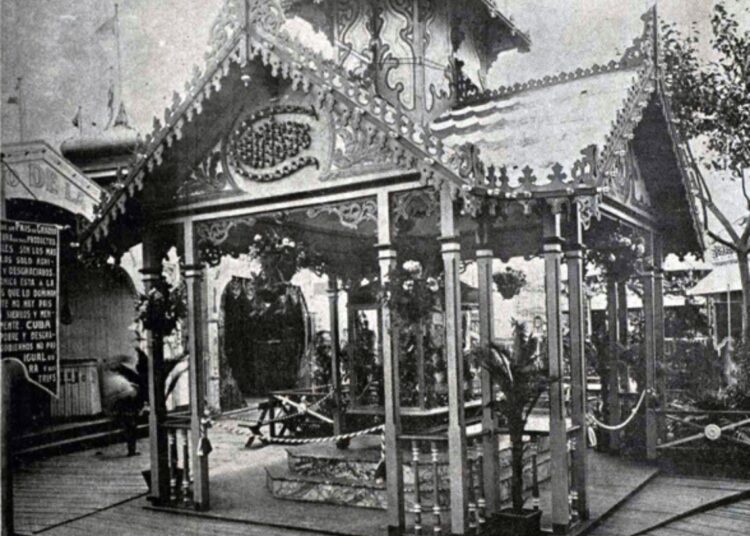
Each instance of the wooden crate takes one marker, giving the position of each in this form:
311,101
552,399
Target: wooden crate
79,390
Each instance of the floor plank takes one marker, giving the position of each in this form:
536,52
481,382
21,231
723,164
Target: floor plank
666,497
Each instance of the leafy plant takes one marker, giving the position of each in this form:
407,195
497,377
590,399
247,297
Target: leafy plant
280,258
619,254
409,293
521,376
509,282
710,102
161,308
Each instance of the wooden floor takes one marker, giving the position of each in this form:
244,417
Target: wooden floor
731,520
51,491
667,497
90,493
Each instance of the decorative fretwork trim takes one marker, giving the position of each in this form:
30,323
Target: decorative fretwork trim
351,214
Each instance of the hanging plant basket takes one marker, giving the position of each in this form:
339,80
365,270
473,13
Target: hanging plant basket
509,282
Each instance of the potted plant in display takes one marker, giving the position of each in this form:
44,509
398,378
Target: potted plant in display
518,371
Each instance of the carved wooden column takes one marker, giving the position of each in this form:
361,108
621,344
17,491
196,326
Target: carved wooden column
457,457
647,280
392,403
613,381
159,492
490,446
552,250
578,403
196,327
333,308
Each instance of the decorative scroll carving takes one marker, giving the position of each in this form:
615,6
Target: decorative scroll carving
227,22
264,148
210,176
589,209
468,163
265,14
359,149
412,206
215,232
625,182
350,213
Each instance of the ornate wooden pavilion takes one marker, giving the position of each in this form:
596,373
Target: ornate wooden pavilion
394,146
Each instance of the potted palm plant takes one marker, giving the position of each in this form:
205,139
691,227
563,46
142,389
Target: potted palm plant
520,375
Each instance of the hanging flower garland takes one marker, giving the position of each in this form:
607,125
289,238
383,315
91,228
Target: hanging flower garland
161,308
410,294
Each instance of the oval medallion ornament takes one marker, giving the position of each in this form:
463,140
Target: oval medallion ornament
712,432
272,143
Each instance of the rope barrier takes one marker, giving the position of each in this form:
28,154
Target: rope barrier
329,439
623,424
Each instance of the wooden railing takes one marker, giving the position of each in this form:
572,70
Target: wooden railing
477,493
180,476
430,499
696,425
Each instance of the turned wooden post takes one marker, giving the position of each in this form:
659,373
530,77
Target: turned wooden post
490,447
392,403
457,458
196,323
159,454
333,308
613,381
579,400
552,250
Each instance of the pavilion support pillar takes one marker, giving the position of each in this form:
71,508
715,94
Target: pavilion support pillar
490,446
391,392
649,341
196,327
578,403
333,308
351,339
658,261
457,457
159,492
613,380
560,486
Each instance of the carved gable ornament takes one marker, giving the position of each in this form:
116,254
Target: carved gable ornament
625,182
270,142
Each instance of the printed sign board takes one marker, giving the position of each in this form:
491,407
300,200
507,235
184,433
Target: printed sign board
30,300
